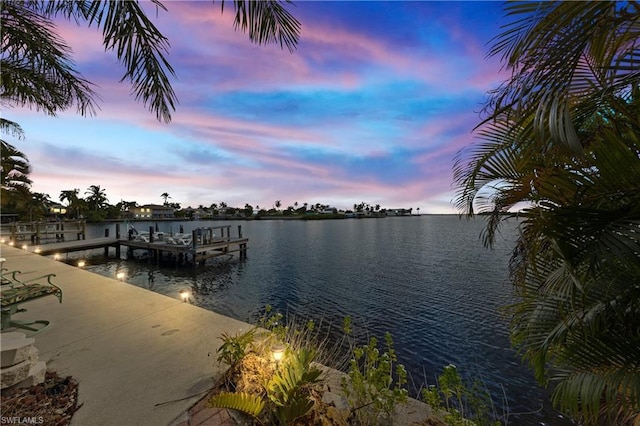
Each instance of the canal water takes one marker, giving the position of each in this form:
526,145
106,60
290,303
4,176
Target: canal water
425,279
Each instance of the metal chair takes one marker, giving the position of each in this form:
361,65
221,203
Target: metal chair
15,292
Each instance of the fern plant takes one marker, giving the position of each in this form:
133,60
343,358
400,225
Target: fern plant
288,388
245,402
287,391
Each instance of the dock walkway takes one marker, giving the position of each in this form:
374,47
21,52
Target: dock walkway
76,245
205,245
38,231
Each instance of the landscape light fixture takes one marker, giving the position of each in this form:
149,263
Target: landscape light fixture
81,264
186,295
37,250
11,243
3,259
56,256
278,352
120,276
2,240
24,247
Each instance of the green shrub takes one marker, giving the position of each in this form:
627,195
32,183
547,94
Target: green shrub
234,348
459,403
374,385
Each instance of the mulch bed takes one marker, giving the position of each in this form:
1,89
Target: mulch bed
52,402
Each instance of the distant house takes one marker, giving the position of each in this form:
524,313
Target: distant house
153,211
328,210
398,212
55,209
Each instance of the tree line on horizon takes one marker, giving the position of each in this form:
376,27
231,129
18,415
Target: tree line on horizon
559,139
95,206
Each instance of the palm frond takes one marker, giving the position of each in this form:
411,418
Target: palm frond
36,69
141,48
267,21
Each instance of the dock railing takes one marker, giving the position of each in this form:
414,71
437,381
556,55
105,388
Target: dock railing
37,231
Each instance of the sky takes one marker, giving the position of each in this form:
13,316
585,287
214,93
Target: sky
371,107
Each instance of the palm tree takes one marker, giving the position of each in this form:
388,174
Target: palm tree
125,207
36,68
97,198
165,196
15,168
71,197
559,145
15,183
38,205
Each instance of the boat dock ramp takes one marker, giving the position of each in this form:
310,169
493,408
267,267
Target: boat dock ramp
191,248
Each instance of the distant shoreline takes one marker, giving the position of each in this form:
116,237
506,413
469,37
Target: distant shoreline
292,217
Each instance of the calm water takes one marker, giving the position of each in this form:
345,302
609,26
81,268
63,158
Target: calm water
426,279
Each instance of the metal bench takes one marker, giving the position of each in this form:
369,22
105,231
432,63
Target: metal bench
15,291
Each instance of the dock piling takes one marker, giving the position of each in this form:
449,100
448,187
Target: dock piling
106,248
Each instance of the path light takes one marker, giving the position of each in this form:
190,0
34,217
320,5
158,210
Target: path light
186,295
120,276
81,264
2,259
278,352
2,240
56,256
37,250
24,247
11,243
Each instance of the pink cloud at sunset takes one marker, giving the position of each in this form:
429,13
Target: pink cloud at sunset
372,107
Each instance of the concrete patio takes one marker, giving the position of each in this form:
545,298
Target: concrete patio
140,358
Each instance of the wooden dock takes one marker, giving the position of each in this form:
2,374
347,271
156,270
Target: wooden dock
78,245
205,243
38,232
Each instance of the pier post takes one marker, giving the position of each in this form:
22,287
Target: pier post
117,231
194,245
106,248
38,233
239,231
151,234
